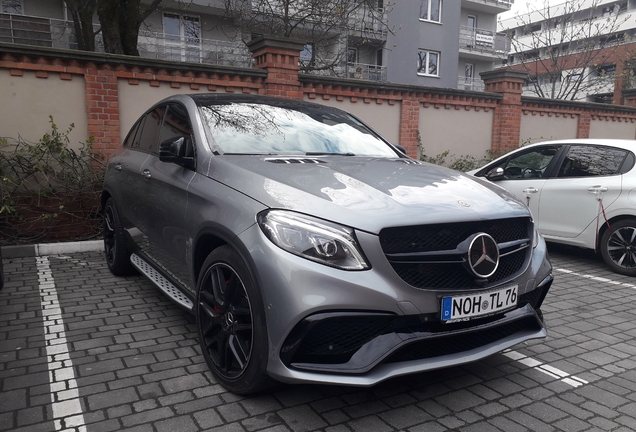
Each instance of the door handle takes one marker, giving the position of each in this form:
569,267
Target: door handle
146,174
597,189
118,166
530,190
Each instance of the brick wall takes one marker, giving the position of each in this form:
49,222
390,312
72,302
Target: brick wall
276,73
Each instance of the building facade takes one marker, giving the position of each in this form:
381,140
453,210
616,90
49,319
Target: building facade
578,50
437,43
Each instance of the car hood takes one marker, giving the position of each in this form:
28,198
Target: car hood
365,193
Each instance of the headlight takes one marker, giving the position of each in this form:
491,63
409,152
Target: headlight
313,239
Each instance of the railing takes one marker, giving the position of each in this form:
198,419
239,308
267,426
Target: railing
483,41
366,72
48,32
503,3
592,85
369,23
361,71
466,83
155,45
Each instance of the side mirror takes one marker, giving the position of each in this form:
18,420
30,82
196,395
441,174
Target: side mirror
400,148
495,174
176,150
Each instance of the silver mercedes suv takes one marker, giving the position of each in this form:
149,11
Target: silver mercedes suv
312,250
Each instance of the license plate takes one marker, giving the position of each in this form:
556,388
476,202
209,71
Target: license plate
465,307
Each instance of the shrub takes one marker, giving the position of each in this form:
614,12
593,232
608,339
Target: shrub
49,191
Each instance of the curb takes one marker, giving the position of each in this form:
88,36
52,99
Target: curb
42,249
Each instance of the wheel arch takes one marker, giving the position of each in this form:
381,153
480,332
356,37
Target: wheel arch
211,238
604,227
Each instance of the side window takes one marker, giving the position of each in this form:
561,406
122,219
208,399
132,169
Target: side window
176,125
591,161
130,139
149,136
530,164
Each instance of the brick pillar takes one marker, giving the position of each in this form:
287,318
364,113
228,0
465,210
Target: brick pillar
506,127
583,125
629,97
102,108
279,57
409,125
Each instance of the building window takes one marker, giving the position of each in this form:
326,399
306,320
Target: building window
575,78
352,55
183,37
307,55
431,10
428,63
12,7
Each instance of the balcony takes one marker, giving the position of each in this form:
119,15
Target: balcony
482,43
368,24
29,30
488,6
156,45
361,71
473,84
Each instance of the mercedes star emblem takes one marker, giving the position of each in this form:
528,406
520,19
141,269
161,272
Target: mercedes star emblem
483,256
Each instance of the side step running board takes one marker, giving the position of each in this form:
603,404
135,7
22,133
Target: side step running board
162,283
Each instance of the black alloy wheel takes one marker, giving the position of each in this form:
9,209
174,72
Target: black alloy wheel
115,249
618,247
231,328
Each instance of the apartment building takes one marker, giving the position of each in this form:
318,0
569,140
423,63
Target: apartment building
575,49
437,43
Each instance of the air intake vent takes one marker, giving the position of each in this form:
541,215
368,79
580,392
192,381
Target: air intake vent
409,161
295,161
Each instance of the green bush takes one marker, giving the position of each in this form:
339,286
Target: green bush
461,163
49,191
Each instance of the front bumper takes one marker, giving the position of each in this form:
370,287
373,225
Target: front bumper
360,328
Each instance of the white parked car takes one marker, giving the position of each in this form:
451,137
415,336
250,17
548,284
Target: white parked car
582,192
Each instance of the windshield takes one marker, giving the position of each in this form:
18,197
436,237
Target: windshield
248,128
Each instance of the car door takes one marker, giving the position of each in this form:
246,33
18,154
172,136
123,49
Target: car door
165,198
134,208
570,200
125,175
526,172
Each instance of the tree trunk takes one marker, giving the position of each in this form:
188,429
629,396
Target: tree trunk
82,12
109,18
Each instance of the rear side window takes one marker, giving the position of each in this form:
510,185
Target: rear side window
591,161
176,124
149,136
130,139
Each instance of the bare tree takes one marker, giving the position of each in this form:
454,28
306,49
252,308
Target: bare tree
324,25
571,49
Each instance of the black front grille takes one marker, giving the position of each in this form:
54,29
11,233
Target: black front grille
446,237
426,238
454,344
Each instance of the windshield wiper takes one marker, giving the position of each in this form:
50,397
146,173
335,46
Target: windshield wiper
328,154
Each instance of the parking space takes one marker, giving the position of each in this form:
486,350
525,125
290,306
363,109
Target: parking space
81,349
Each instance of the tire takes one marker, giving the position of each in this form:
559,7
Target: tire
231,323
115,248
618,247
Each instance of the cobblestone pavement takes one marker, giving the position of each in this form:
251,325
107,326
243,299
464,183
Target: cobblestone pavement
113,353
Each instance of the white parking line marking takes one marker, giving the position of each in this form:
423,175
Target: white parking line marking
65,400
596,278
551,371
